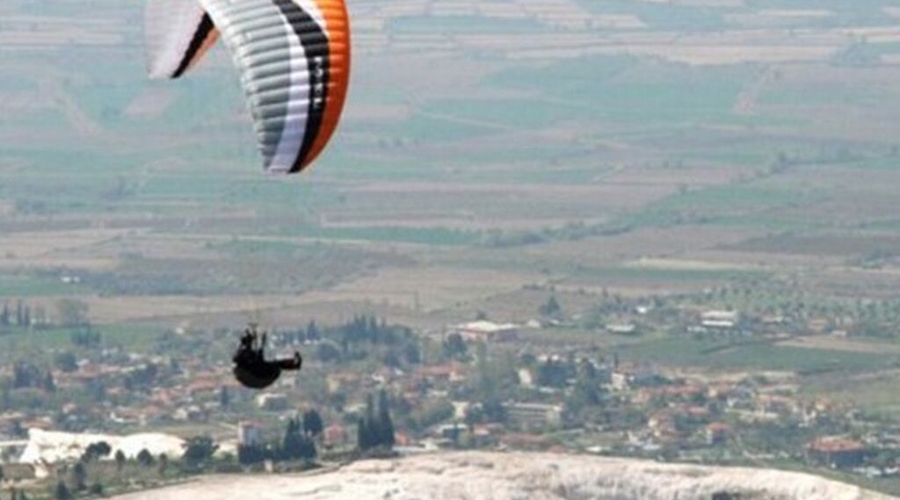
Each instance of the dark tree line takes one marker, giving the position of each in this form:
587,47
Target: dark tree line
454,347
28,375
355,339
376,428
20,316
144,377
312,333
555,373
365,329
551,308
96,451
298,443
362,329
86,337
198,451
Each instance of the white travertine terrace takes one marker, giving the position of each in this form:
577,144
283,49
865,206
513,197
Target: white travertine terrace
516,476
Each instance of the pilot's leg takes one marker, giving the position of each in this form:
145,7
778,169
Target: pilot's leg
291,364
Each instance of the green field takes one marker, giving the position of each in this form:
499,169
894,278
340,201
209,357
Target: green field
22,285
493,153
748,355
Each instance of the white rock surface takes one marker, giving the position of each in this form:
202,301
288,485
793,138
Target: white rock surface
515,476
52,447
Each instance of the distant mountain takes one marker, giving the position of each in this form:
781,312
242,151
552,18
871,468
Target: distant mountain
514,476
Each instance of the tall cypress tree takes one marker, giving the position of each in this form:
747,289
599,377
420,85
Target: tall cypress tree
385,424
62,492
292,443
371,420
79,477
363,440
374,334
224,397
312,423
312,332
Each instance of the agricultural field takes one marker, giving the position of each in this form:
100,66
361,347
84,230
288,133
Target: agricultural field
488,148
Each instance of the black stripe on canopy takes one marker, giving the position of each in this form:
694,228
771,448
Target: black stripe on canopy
206,26
315,44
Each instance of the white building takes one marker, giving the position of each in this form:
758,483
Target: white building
534,415
526,379
272,402
487,330
622,328
722,320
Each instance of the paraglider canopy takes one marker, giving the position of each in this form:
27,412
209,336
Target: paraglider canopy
293,57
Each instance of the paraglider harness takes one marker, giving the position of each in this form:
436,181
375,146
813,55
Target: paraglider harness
250,366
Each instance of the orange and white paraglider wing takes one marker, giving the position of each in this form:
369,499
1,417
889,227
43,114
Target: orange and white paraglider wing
178,33
294,60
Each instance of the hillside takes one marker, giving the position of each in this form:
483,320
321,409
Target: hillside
508,476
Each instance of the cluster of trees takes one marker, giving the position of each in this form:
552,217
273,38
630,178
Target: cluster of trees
796,307
65,361
395,345
312,333
86,338
496,381
70,313
581,376
497,238
74,481
365,329
22,315
144,377
489,411
298,443
614,305
198,451
375,429
454,347
551,309
78,473
96,451
555,373
363,337
28,375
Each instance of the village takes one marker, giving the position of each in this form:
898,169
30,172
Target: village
473,385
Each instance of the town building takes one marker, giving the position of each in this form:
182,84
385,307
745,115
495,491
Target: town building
717,434
534,415
488,331
837,452
720,320
272,402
